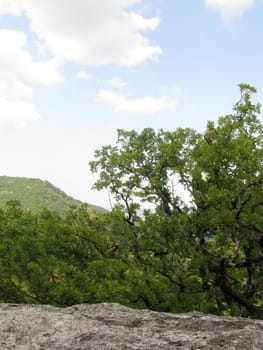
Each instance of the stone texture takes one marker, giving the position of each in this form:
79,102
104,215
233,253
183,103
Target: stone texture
112,326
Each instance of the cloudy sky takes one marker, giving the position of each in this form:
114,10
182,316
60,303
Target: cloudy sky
72,72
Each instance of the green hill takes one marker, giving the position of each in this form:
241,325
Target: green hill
36,194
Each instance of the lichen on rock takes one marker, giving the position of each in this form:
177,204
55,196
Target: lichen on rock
112,326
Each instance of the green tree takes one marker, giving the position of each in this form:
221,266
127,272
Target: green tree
82,257
206,251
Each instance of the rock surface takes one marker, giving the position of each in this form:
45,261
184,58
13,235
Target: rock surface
112,326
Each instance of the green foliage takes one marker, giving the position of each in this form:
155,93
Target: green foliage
207,251
201,253
45,258
35,195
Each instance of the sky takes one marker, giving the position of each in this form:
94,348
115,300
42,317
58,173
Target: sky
73,72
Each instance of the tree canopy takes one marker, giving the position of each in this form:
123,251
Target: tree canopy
207,249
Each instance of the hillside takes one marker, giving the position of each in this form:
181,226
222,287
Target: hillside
36,194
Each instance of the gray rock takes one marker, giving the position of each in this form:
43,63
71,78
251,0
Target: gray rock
112,326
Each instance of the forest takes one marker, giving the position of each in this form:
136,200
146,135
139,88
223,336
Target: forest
185,232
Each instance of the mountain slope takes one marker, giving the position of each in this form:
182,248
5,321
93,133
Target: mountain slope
36,194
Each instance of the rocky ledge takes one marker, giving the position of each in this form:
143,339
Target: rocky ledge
112,326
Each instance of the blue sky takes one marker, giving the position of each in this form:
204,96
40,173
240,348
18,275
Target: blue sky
72,72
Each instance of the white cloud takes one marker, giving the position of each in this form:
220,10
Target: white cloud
16,62
12,7
83,75
90,32
18,72
230,10
17,113
85,32
16,106
16,90
116,82
145,105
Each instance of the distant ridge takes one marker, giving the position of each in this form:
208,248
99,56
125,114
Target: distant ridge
37,194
